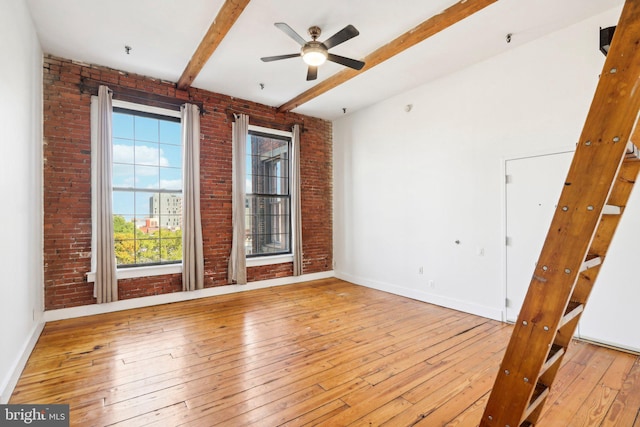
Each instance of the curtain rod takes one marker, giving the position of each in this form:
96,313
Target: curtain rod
264,123
123,93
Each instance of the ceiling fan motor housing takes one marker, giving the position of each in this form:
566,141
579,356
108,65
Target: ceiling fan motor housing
314,32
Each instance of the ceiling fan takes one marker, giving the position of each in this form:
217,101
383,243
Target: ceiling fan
315,53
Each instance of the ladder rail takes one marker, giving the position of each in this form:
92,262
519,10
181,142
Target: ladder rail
587,278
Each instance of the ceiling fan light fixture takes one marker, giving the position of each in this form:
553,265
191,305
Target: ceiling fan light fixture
314,55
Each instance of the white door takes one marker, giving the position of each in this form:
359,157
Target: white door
612,314
533,188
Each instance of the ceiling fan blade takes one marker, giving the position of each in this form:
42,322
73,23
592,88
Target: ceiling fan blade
341,36
312,73
279,57
291,33
347,62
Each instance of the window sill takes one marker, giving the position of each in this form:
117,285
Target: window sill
131,273
159,270
269,260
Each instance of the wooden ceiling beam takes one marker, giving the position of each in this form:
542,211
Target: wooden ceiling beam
227,16
426,29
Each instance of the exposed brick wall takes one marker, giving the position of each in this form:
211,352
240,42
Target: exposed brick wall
269,271
67,184
147,286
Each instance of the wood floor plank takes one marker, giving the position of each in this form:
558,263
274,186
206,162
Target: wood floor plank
479,385
563,410
384,412
317,415
448,385
625,410
279,417
471,416
593,409
458,366
158,416
320,353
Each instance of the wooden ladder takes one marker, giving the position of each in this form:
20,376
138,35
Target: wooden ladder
604,169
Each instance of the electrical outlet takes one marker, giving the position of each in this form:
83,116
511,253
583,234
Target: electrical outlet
421,270
432,283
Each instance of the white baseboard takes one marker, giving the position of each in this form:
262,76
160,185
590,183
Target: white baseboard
87,310
455,304
9,383
609,344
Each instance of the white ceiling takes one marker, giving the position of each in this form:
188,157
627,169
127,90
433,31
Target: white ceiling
164,34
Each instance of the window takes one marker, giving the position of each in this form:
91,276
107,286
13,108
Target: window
147,187
268,199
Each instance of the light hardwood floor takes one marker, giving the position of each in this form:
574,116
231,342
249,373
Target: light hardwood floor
319,353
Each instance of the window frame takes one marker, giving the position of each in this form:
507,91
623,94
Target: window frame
131,271
135,190
276,258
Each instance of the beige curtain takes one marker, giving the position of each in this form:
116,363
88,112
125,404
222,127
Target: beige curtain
106,283
296,203
237,272
192,252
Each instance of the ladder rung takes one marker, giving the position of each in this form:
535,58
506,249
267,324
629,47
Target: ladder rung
555,354
611,210
632,151
573,310
539,395
590,263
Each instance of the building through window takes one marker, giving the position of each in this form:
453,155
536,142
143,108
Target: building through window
268,199
147,188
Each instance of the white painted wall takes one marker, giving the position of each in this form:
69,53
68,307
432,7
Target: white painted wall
21,288
408,185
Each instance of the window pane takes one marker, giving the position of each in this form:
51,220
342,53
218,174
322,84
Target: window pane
123,175
169,223
145,204
171,248
123,204
147,177
249,221
171,178
146,129
122,125
147,153
148,250
170,132
283,176
171,155
124,249
123,151
267,223
268,165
